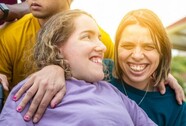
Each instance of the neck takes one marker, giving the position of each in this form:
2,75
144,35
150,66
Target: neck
42,21
146,91
141,86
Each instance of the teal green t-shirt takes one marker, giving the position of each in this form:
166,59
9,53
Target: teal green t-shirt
162,109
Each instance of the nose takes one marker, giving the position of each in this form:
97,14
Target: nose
137,53
100,47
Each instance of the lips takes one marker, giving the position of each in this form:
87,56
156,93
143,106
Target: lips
35,6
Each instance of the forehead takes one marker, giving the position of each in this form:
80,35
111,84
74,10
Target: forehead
135,28
136,32
85,22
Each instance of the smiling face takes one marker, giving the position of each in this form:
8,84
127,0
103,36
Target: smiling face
84,50
137,55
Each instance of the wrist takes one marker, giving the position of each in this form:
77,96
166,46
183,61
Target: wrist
5,10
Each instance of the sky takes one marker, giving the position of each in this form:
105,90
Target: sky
108,13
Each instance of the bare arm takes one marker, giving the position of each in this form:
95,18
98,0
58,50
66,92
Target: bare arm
46,86
16,11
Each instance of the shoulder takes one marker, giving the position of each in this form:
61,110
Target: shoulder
117,83
15,26
169,91
19,32
9,115
9,102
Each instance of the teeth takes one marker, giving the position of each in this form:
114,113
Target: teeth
99,61
137,67
96,60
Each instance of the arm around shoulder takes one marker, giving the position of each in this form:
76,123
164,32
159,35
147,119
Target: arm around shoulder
15,11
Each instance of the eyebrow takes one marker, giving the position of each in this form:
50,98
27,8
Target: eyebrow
91,32
144,42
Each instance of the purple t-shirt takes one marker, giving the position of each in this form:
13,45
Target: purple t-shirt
85,104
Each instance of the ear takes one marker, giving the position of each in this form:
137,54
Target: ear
60,55
60,49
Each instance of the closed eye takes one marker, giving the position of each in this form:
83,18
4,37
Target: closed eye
127,46
149,47
86,37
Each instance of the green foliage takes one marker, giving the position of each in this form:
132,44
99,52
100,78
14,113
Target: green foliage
178,70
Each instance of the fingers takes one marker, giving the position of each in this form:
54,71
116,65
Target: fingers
180,96
51,91
161,87
58,97
28,96
4,82
34,105
5,85
24,88
45,87
53,95
38,93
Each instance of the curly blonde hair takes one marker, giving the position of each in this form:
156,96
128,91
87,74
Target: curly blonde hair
55,32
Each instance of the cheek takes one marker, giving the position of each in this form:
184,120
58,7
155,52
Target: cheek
157,61
155,58
29,2
122,54
67,52
72,56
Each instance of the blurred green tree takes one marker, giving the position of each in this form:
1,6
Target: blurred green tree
178,70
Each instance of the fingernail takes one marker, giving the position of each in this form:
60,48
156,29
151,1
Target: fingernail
180,103
14,98
26,118
54,105
35,120
19,108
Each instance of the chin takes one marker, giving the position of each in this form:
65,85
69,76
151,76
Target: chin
98,77
38,15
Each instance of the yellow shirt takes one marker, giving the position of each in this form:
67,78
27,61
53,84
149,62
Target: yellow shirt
16,39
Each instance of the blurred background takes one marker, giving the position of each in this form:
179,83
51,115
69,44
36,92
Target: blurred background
108,14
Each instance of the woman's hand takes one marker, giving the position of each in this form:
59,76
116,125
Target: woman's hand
173,83
4,82
46,86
